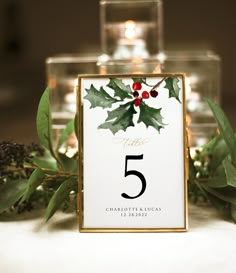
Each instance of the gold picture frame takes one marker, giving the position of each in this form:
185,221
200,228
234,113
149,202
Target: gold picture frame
101,206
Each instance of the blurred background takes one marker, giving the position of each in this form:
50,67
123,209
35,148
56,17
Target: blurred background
31,31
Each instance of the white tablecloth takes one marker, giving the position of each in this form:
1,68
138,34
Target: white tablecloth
30,246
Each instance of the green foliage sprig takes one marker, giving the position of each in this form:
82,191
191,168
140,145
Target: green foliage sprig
30,176
49,178
212,170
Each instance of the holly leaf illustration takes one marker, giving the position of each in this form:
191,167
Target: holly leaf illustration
172,86
99,98
120,89
120,118
142,80
151,116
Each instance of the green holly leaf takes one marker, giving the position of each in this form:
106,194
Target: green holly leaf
151,116
142,80
172,86
120,118
99,98
120,89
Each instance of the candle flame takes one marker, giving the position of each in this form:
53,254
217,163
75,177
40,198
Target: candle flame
130,29
70,98
188,86
52,82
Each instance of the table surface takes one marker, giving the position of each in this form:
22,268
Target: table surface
29,245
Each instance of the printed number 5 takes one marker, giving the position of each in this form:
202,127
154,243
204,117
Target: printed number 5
133,172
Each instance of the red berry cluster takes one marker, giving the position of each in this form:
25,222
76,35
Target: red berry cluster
137,86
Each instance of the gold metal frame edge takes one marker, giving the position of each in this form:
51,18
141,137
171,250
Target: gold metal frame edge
80,182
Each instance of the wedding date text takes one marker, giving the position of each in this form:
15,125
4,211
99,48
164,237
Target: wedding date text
134,211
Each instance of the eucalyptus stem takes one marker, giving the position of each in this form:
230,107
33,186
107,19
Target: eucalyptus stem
202,179
14,168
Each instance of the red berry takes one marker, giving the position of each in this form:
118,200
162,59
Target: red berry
137,86
154,93
145,95
137,101
135,94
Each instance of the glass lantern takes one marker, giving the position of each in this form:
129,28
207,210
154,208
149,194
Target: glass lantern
131,29
202,69
62,78
135,66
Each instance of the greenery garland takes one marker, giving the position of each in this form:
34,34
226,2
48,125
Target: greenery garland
31,175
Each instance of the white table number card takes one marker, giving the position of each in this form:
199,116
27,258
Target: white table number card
133,153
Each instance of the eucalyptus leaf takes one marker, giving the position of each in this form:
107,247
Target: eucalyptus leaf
233,212
76,126
34,181
209,146
217,150
11,192
192,169
230,172
229,196
225,128
44,121
202,190
61,195
218,181
44,124
69,129
46,162
216,202
70,165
